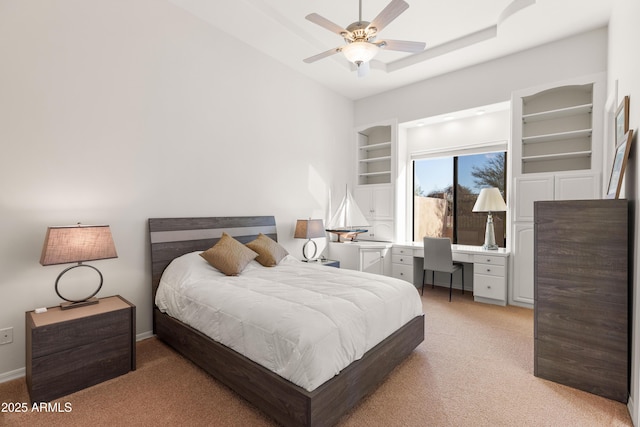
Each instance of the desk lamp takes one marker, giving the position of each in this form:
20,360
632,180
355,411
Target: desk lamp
309,229
77,243
490,200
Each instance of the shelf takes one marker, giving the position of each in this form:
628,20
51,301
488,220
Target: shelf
559,113
364,174
559,156
377,146
375,159
557,136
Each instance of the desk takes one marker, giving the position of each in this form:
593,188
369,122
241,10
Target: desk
487,268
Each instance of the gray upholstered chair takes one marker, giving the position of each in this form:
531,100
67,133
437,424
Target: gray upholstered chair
438,257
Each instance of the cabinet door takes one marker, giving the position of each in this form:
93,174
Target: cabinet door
380,231
522,283
382,202
372,261
375,202
577,187
529,190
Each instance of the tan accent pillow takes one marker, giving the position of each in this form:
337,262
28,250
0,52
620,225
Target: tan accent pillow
270,253
228,255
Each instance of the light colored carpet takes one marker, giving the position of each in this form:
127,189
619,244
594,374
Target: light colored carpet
475,368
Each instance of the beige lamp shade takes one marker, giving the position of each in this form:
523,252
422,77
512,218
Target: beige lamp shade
309,229
77,243
490,200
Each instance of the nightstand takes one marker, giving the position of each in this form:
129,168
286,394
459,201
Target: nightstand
329,262
68,350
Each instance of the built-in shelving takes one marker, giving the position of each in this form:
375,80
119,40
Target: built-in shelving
557,129
374,155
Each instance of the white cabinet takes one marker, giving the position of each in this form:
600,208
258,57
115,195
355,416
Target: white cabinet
490,279
375,179
522,283
556,135
402,264
362,256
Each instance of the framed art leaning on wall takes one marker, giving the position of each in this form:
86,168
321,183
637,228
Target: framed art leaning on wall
619,165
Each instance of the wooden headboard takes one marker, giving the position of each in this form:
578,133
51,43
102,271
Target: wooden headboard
173,237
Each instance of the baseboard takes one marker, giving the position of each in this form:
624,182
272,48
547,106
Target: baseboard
12,375
21,372
632,411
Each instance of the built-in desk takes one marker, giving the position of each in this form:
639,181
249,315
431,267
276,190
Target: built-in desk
485,271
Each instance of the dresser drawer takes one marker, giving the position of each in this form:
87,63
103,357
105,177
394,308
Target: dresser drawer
402,271
489,259
491,287
489,270
402,259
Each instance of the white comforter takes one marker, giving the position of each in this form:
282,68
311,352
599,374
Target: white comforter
303,321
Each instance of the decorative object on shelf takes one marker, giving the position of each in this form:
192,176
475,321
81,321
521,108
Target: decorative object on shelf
490,200
77,243
360,37
348,221
622,120
619,165
309,229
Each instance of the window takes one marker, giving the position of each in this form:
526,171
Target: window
445,190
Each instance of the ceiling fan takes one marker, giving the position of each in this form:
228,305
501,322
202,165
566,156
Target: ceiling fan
360,37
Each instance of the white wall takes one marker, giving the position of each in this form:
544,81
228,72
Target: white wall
489,83
113,111
624,67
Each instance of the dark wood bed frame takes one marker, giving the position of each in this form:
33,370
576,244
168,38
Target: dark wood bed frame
285,402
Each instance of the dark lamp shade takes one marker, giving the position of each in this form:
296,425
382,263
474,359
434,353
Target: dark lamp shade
309,229
77,243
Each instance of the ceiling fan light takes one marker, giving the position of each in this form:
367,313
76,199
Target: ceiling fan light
360,51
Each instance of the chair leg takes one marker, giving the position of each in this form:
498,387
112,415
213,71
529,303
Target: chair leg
450,285
424,273
462,270
433,279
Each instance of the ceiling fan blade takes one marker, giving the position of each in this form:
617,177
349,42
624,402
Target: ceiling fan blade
401,45
388,14
324,54
325,23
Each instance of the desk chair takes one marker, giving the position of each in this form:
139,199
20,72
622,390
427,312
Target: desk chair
438,257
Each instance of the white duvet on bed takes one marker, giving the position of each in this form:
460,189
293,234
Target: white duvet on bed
303,321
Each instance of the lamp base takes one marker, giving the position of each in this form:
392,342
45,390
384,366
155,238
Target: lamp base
489,235
68,305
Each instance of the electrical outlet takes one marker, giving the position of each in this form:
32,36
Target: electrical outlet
6,336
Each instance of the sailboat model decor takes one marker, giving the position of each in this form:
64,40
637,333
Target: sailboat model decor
348,221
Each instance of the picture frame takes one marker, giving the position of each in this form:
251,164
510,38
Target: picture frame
619,165
622,120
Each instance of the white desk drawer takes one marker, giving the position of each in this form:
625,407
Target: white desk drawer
402,259
402,271
489,259
401,251
489,270
462,257
489,287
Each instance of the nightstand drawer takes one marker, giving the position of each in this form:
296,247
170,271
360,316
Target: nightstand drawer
61,336
71,370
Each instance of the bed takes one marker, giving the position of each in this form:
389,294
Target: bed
281,399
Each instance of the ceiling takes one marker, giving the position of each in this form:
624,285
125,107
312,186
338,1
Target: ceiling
485,30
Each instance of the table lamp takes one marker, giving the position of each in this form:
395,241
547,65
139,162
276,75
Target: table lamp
77,243
309,229
490,200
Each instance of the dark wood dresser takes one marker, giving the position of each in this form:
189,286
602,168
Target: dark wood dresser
581,319
68,350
